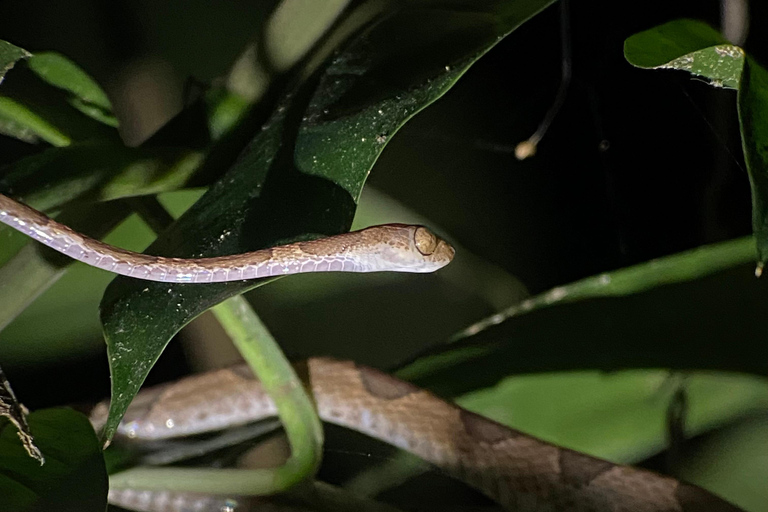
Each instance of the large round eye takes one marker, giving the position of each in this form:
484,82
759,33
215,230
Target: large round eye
425,241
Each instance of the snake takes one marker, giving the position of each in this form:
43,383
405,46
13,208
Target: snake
520,472
387,247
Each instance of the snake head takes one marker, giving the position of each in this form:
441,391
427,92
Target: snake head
409,248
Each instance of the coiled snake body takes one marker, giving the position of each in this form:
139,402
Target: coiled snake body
519,471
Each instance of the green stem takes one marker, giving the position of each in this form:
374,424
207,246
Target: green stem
295,409
294,406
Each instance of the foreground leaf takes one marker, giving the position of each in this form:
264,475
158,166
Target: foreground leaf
303,173
695,47
73,477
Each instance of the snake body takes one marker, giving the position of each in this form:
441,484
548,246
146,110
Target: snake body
389,247
518,471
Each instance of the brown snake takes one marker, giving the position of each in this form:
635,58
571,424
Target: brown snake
390,247
520,472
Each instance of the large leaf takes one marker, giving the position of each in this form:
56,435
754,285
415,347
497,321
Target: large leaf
303,173
695,47
73,478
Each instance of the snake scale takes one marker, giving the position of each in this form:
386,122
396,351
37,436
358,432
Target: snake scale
520,472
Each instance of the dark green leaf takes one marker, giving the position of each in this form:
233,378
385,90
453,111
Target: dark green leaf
302,175
658,311
697,48
753,106
663,45
73,477
9,55
677,268
99,171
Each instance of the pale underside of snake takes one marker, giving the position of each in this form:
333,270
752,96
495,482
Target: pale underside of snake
389,247
518,471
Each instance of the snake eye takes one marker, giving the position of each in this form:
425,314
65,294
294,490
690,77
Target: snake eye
425,241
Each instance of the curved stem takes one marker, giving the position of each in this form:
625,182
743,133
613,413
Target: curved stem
295,409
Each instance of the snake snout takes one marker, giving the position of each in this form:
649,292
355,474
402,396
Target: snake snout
444,253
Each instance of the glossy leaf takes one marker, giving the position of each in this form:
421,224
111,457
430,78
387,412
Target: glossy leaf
693,46
687,45
302,175
73,477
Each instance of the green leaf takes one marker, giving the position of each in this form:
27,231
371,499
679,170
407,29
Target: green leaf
677,268
617,416
753,105
73,477
100,171
659,313
40,105
695,47
9,55
302,175
731,463
16,120
664,46
86,95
